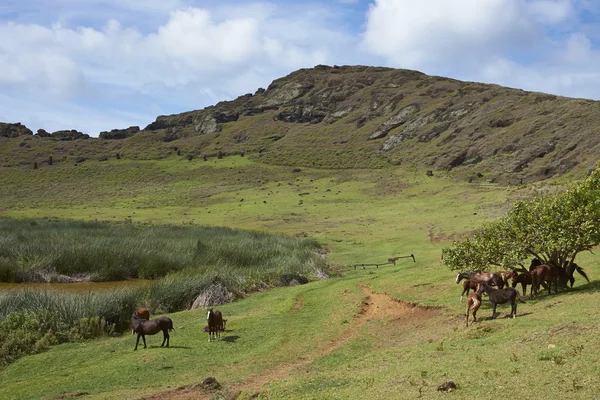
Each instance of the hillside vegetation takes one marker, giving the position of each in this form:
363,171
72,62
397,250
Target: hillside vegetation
355,117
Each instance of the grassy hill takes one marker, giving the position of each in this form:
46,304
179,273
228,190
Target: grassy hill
356,117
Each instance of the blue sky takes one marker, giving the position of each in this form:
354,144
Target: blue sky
96,65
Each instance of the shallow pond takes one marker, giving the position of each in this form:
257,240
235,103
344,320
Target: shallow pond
74,287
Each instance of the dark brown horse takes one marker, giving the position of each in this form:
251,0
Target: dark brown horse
215,324
501,296
151,327
490,278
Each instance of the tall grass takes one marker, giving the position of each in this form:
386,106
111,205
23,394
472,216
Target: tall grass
33,250
189,260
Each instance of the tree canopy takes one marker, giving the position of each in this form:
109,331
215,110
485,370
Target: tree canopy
552,228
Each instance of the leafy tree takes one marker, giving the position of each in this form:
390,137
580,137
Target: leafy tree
554,229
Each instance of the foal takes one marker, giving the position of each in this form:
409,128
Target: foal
501,296
473,304
143,327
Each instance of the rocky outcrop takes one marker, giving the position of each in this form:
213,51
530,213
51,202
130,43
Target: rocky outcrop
69,135
14,130
120,133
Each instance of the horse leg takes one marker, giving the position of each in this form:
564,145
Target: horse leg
144,339
165,338
137,341
493,310
513,307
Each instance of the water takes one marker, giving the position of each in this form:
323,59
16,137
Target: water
78,287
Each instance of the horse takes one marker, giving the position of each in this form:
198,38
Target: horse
570,269
506,275
222,330
491,278
151,327
545,273
215,324
468,285
473,304
143,313
501,296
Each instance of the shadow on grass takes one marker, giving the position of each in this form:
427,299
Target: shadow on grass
170,347
230,339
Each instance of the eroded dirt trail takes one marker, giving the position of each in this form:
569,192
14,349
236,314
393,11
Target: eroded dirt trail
376,306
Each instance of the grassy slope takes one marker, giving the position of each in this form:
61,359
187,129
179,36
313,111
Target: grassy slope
367,216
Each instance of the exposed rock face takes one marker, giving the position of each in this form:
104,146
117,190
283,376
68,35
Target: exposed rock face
120,133
69,135
400,118
14,130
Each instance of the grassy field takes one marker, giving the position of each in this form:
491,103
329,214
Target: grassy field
336,338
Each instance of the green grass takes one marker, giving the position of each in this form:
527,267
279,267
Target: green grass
307,339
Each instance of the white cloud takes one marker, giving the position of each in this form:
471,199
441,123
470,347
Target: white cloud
413,33
195,56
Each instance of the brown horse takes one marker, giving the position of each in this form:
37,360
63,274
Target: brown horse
215,324
545,273
143,313
490,278
468,285
151,327
473,304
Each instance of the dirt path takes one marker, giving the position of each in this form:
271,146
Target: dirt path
376,306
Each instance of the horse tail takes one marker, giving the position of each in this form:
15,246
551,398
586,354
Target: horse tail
582,272
171,325
520,298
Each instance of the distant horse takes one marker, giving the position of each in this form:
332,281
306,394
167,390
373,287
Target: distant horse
151,327
215,324
468,285
549,273
501,296
473,304
506,275
143,313
491,278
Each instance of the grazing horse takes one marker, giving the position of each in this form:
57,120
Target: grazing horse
143,313
473,304
491,278
151,327
524,279
468,285
215,324
501,296
506,275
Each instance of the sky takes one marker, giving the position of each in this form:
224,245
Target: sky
96,65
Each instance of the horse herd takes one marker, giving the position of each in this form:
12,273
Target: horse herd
539,274
142,325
